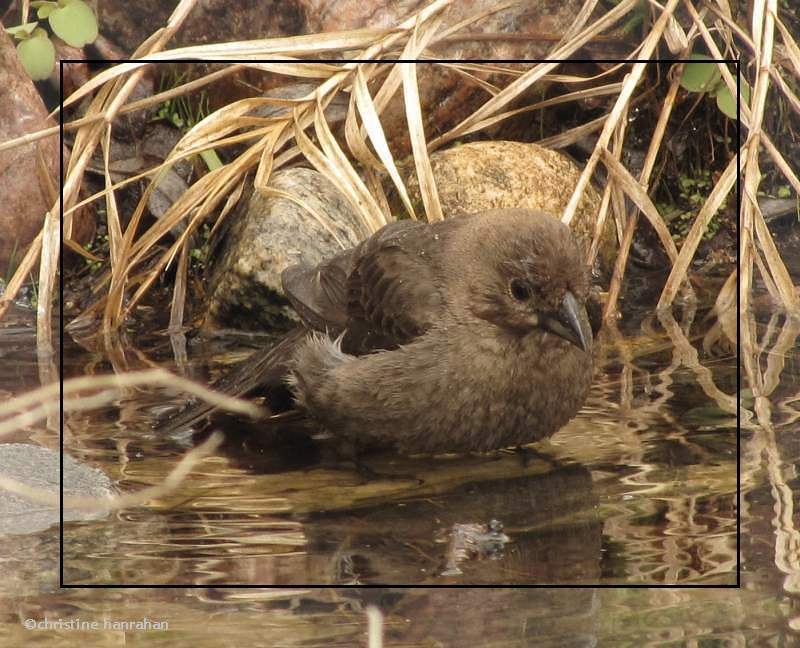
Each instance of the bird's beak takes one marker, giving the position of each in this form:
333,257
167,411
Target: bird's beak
568,322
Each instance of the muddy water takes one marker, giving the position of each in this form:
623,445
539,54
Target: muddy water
639,489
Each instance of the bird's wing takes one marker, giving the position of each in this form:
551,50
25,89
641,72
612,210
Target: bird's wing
394,288
383,293
318,294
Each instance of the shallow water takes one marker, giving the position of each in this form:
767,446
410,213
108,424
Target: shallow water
639,489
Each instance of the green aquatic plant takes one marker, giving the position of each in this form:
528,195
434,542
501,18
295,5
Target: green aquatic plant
693,191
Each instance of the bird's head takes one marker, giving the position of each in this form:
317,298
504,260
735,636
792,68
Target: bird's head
530,276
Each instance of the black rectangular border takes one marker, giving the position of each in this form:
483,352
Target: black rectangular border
737,585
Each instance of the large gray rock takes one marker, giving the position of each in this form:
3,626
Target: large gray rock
38,468
270,233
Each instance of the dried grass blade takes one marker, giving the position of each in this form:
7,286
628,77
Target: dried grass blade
205,198
699,227
426,14
48,266
629,85
599,226
220,123
205,189
484,85
689,357
375,186
416,131
366,205
299,70
791,97
777,268
727,77
515,89
675,36
230,202
630,226
356,137
112,214
264,170
21,274
322,164
372,124
792,49
77,249
101,80
763,36
580,20
306,45
639,196
312,44
726,300
781,163
260,133
725,8
766,277
572,135
201,189
157,98
612,88
29,138
178,305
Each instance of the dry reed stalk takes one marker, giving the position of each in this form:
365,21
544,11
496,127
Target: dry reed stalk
644,178
275,142
630,83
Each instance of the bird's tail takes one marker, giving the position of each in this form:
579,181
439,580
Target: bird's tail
264,374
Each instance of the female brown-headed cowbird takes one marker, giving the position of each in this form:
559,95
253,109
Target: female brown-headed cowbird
467,334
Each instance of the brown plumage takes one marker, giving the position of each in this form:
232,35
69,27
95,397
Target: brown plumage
468,334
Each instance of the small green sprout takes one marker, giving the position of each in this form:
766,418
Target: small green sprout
71,20
704,77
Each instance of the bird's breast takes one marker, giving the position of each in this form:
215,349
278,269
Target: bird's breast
513,391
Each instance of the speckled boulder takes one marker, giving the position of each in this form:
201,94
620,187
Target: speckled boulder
270,233
487,175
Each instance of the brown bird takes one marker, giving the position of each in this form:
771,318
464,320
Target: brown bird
468,334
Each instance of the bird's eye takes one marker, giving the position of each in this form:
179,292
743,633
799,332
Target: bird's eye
520,290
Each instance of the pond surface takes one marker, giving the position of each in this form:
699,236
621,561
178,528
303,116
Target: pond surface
639,489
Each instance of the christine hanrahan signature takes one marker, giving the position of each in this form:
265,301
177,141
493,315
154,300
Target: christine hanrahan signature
143,624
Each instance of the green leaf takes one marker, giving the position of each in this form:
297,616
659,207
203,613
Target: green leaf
45,10
38,56
700,76
23,31
784,191
725,101
74,23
